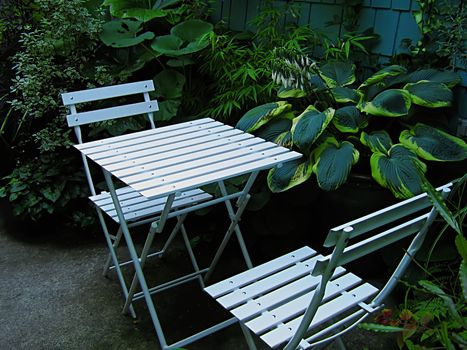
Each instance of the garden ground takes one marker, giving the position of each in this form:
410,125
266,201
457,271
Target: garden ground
53,296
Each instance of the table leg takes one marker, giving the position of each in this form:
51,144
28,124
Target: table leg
134,257
235,218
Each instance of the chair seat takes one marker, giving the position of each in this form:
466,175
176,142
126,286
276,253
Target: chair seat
135,206
270,299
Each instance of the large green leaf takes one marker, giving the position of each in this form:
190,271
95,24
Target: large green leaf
191,30
449,78
377,141
167,110
389,103
390,71
123,33
169,84
345,95
430,94
338,73
289,175
137,9
398,171
333,162
433,144
349,119
288,92
171,45
285,139
272,130
260,115
307,127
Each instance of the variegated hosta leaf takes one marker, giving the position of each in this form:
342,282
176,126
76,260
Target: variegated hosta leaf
389,103
287,92
394,70
285,139
316,83
338,73
449,78
433,144
333,162
307,127
260,115
377,141
344,95
429,94
271,131
289,175
398,171
349,119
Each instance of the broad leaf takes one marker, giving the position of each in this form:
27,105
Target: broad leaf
349,119
433,144
289,175
169,84
449,78
307,127
137,9
338,73
272,130
171,45
191,30
123,33
389,103
345,95
429,94
398,171
316,83
167,110
180,61
390,71
290,92
260,115
285,139
333,162
377,141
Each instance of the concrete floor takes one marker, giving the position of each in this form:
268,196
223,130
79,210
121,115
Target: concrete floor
53,296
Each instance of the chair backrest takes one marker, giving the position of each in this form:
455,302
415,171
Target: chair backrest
75,119
384,227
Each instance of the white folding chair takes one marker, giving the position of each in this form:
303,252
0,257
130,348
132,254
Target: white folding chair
138,210
305,300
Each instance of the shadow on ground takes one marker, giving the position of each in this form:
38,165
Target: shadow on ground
53,296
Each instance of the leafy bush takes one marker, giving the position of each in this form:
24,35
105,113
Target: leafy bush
57,53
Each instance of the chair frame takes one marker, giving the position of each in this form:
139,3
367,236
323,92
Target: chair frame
325,268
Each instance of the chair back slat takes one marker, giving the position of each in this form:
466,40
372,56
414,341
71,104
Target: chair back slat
382,217
99,115
102,93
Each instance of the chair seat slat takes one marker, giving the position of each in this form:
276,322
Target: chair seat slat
325,313
284,294
218,289
289,310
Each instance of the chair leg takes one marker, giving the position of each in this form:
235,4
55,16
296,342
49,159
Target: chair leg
143,257
115,245
115,260
248,337
192,255
340,344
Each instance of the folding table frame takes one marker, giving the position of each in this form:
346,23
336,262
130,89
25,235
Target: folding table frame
164,166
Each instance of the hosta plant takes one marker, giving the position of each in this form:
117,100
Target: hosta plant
335,122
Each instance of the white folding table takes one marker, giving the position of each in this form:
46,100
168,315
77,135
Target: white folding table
163,163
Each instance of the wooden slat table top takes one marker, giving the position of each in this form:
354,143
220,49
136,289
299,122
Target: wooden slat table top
170,159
